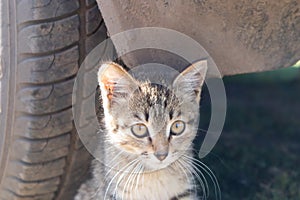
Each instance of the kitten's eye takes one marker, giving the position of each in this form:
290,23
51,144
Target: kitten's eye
139,130
177,127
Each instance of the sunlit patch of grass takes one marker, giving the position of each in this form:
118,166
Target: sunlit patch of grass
257,156
297,65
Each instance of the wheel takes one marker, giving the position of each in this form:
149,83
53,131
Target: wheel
42,44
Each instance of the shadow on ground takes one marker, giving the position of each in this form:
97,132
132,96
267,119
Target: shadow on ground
258,154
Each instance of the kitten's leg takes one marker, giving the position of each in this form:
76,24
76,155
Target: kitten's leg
88,191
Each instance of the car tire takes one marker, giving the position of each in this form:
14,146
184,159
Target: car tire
42,44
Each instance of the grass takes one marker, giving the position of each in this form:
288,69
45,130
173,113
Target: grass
297,64
258,154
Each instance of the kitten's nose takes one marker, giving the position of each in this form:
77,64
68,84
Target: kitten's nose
161,155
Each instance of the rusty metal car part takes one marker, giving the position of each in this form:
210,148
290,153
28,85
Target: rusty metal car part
240,35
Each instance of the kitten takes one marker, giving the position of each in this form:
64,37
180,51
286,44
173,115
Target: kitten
146,150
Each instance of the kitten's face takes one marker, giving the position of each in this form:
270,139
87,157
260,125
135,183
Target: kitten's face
151,122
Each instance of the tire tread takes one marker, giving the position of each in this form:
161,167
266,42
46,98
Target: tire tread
47,160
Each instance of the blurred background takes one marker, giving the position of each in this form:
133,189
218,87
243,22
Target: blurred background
258,154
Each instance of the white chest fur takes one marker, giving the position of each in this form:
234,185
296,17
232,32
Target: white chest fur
157,185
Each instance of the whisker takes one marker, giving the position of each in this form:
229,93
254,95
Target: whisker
202,180
123,176
181,166
191,173
178,163
121,170
209,173
129,179
115,158
141,173
114,168
134,180
96,192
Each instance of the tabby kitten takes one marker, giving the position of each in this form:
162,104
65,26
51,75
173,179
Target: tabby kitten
146,148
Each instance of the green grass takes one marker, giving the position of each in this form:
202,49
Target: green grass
297,65
258,154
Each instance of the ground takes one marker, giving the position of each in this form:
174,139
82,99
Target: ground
257,156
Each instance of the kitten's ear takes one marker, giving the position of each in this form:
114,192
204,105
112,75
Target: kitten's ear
115,83
189,82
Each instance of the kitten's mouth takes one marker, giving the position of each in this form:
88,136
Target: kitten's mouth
155,168
152,163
